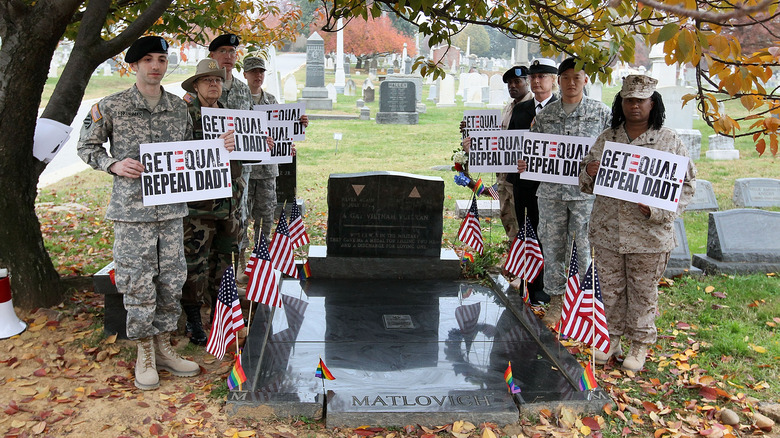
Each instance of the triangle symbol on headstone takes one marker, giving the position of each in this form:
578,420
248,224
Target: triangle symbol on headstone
358,188
414,193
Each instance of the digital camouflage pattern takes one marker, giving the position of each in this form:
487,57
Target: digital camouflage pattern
632,250
564,211
122,118
261,203
266,170
148,247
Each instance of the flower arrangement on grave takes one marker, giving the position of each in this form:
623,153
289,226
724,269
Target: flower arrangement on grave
460,164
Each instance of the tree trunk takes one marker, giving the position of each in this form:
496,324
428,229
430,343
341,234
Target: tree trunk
31,35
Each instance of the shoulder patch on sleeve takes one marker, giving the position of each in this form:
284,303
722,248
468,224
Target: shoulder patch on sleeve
95,113
187,97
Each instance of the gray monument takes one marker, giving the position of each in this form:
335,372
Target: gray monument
722,148
368,91
397,103
680,258
703,197
738,243
757,192
314,95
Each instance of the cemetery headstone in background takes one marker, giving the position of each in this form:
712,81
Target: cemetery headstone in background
757,192
397,103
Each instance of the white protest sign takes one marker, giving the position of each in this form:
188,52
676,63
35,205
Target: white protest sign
286,114
638,174
554,158
495,151
481,120
49,137
251,131
185,171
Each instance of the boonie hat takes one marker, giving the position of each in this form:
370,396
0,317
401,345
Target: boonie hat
542,65
227,39
145,45
206,67
253,62
638,86
518,71
567,64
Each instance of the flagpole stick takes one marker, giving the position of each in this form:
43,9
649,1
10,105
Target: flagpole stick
262,349
593,316
249,318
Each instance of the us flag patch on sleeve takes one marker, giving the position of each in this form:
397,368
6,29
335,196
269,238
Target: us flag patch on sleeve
187,97
95,113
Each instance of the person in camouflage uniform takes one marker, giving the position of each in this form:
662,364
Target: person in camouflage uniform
261,192
211,228
148,244
564,211
633,241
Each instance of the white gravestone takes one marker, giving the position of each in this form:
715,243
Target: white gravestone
447,92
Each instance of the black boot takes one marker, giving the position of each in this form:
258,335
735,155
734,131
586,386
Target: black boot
195,326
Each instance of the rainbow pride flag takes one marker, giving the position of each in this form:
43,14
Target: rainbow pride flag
510,382
479,187
467,256
237,375
588,380
323,372
304,270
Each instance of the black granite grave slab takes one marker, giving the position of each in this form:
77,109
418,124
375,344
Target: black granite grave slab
114,313
397,103
384,214
741,241
427,351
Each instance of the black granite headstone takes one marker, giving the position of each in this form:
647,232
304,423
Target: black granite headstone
385,214
397,97
287,183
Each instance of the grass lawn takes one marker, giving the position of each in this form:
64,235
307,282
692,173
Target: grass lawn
718,336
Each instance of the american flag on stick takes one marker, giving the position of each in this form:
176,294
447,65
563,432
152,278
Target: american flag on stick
228,319
298,235
281,249
470,232
263,285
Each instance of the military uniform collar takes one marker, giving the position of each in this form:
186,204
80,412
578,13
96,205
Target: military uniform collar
139,102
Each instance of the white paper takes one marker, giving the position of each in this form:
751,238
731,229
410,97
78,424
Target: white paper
49,138
251,131
286,114
495,151
185,171
481,120
554,158
639,174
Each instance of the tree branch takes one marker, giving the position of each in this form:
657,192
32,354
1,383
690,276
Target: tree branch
711,17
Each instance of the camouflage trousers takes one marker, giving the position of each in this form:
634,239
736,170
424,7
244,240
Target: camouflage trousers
261,204
559,223
209,245
629,287
150,271
506,199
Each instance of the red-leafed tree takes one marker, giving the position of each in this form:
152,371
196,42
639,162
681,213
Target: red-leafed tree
367,39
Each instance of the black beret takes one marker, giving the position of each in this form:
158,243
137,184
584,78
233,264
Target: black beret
227,39
145,45
518,71
567,64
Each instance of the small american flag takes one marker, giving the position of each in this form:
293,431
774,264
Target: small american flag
263,285
298,235
493,192
470,232
533,260
592,287
569,322
228,319
281,249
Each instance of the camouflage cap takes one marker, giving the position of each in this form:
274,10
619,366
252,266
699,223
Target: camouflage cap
206,67
253,62
638,86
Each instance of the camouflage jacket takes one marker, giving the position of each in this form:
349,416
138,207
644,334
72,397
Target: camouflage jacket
216,208
237,96
265,170
619,225
589,119
125,120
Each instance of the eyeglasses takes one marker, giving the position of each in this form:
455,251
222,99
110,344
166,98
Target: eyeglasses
211,80
229,52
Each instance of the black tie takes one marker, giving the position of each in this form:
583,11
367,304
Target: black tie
538,107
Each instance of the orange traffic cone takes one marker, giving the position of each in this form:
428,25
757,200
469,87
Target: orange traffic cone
10,325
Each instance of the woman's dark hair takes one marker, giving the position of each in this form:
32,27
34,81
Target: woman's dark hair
657,114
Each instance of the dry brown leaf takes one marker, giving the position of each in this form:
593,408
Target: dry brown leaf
488,433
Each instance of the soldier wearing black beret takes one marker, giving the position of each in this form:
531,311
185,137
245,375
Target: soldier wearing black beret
145,45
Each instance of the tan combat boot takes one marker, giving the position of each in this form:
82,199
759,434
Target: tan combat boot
146,377
553,312
168,359
635,359
241,277
614,350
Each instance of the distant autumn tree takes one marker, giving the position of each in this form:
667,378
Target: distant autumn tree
367,39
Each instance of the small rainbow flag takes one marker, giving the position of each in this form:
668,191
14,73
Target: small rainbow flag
467,257
510,382
479,187
588,380
304,270
236,376
323,372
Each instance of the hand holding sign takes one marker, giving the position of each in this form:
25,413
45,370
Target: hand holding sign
592,168
128,168
230,140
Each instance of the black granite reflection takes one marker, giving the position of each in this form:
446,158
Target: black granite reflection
442,350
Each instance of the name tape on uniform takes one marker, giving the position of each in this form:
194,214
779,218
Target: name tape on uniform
251,131
639,174
185,171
